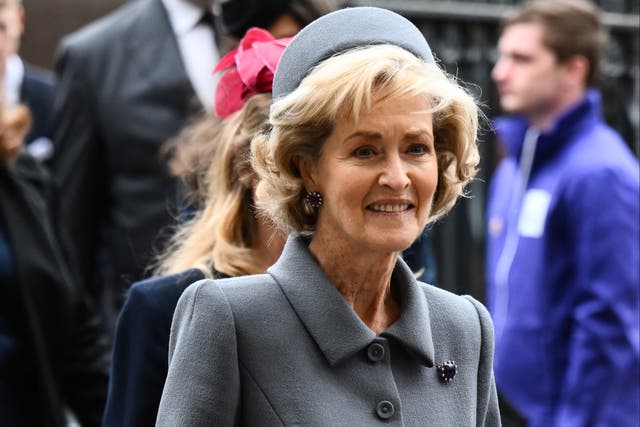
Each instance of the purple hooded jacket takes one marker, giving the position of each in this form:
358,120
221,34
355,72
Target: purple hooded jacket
563,271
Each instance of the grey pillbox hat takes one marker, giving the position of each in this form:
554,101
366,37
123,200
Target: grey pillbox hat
339,31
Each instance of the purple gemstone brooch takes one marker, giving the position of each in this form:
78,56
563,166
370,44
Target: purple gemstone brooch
447,371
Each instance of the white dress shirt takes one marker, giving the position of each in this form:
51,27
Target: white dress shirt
13,76
197,47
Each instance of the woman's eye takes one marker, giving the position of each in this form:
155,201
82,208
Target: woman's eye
364,152
418,149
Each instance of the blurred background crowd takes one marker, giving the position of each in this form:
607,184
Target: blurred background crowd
115,204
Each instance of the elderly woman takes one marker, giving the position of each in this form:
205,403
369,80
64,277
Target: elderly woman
370,142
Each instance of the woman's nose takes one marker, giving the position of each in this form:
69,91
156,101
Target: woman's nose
394,175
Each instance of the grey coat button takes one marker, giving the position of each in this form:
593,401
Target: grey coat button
375,352
385,410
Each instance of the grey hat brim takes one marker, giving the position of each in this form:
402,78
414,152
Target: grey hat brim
342,30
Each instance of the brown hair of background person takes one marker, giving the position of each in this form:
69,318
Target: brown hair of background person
567,34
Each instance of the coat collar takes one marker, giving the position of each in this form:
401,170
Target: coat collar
154,48
333,325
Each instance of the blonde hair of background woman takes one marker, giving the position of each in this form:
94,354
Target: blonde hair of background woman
220,234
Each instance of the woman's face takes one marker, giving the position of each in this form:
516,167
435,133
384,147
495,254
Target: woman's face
378,178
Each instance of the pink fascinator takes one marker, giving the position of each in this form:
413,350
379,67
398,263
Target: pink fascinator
249,70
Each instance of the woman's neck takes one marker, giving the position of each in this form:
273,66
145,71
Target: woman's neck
267,244
363,279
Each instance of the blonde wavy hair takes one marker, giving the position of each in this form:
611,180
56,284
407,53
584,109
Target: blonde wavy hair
220,234
343,86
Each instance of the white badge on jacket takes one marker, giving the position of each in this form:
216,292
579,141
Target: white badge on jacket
534,213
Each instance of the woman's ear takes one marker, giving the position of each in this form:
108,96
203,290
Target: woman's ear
306,170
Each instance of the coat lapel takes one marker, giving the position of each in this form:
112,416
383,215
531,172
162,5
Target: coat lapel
325,314
154,48
413,329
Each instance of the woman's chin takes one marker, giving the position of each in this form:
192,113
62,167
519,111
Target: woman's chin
389,244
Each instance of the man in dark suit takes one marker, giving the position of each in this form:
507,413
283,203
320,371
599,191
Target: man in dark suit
23,82
127,83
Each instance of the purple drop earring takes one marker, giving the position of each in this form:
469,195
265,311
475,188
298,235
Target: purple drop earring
314,199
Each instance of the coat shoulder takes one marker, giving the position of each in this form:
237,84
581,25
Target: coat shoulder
246,291
109,30
462,317
227,301
39,77
445,304
167,283
161,292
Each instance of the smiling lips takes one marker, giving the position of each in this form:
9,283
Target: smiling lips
389,207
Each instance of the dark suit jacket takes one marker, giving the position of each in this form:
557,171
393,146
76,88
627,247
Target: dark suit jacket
37,92
123,91
65,344
284,348
141,348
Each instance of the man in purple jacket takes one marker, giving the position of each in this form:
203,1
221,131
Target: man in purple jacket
563,229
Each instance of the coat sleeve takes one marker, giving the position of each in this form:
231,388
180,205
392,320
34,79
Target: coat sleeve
78,164
600,386
203,383
86,365
139,366
488,413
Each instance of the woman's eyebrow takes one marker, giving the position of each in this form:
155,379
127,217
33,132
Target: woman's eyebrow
369,134
420,133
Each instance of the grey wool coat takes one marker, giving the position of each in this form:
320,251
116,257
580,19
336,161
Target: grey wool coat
285,349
